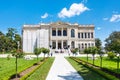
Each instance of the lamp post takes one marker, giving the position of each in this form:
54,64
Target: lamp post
68,50
18,43
50,50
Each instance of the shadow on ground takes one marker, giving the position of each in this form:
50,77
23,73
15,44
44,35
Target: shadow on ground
71,76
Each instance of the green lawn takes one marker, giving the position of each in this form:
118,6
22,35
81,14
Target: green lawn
41,73
107,63
86,73
7,67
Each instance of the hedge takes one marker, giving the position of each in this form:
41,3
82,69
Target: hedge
102,73
27,75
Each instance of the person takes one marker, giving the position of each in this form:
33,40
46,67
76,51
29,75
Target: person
51,54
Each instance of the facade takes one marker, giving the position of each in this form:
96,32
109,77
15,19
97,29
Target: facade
58,35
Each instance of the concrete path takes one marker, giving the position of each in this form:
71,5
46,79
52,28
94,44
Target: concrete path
62,70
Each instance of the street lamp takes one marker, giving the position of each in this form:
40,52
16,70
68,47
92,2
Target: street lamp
50,50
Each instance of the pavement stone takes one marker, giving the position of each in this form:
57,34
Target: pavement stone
62,70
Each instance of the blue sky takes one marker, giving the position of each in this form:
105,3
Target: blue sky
104,14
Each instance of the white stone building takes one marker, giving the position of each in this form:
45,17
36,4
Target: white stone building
58,35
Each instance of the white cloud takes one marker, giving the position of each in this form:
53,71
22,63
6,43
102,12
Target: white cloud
84,1
105,19
115,18
45,15
75,9
98,28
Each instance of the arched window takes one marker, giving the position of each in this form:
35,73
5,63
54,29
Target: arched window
85,45
72,44
53,32
78,35
72,33
59,32
64,32
53,45
82,45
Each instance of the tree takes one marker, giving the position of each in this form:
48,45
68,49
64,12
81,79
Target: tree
17,53
86,51
101,53
74,51
111,40
11,33
37,51
98,43
113,44
93,51
45,51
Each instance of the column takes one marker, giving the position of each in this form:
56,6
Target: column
62,44
86,35
61,31
56,44
90,35
56,31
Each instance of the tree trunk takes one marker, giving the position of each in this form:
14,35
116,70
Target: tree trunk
93,59
118,64
87,57
16,66
37,58
101,61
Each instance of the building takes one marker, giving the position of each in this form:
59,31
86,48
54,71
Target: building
58,35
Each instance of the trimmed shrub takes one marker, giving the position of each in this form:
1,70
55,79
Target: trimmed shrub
111,55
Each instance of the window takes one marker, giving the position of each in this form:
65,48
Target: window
72,44
82,35
82,45
59,32
53,32
53,45
91,34
64,32
72,33
78,35
88,44
85,45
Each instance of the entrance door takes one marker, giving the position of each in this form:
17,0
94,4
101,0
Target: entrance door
72,45
59,45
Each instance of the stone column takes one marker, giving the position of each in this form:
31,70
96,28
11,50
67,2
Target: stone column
56,31
56,44
62,44
83,35
61,31
90,35
87,34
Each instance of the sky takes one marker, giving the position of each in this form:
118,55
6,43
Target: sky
104,14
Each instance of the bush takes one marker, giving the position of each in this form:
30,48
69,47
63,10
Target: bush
111,55
97,70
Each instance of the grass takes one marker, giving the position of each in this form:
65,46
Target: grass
86,73
7,67
106,63
42,72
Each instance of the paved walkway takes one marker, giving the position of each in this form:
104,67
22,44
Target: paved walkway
62,70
